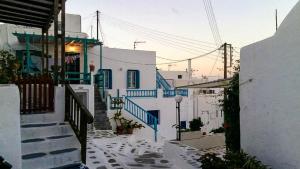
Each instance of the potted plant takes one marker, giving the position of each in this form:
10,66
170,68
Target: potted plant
92,67
119,122
130,126
8,67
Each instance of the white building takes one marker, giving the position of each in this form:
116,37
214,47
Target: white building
269,96
205,101
131,72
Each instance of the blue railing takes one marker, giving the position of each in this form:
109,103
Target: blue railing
161,82
141,93
173,93
77,76
141,114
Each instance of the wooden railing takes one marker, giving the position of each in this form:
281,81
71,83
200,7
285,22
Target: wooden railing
78,116
36,94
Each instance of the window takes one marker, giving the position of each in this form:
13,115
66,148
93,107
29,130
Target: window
179,76
107,78
183,124
133,79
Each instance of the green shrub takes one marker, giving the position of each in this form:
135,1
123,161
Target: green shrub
196,124
211,161
218,130
8,67
232,160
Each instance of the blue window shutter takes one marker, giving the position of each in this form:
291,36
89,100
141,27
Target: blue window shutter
127,79
137,79
110,79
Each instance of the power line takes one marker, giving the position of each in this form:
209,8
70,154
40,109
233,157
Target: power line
163,41
174,37
149,64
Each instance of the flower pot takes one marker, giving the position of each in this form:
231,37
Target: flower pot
92,68
129,130
120,130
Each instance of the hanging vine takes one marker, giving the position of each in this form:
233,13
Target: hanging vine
231,108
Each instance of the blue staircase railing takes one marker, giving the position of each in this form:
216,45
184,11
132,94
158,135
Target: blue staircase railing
161,82
141,93
141,114
173,93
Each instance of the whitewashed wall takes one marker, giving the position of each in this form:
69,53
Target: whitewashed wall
119,69
269,96
10,128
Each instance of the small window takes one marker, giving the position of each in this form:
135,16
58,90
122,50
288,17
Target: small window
179,76
133,79
183,124
107,78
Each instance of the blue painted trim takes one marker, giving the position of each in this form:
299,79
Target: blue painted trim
161,82
173,93
141,114
141,93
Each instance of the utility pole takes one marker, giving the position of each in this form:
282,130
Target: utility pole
189,70
137,42
276,19
91,31
97,13
225,60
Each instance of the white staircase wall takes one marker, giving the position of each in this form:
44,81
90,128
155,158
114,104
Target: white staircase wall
167,114
10,133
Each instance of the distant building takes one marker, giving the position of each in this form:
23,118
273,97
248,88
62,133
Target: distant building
206,103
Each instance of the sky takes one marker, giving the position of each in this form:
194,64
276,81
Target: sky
179,29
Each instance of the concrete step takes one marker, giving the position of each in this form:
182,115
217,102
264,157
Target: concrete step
41,118
52,159
48,144
43,130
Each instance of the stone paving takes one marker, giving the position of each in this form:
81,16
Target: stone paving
105,150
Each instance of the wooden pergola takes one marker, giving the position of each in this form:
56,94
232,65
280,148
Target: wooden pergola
39,14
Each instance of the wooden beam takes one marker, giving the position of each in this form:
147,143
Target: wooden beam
55,12
22,19
22,15
20,23
25,4
22,10
63,18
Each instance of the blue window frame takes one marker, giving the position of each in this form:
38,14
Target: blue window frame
133,79
107,78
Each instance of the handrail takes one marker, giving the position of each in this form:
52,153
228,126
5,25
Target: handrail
142,115
78,116
141,93
161,81
173,93
86,77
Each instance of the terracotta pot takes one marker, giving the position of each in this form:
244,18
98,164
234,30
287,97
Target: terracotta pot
92,68
129,130
120,130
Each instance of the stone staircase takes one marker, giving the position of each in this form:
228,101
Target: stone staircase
101,121
48,144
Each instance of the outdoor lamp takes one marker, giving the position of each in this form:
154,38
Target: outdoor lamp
178,99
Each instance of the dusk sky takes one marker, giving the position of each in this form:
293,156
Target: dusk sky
240,22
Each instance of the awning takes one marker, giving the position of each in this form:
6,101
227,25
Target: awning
34,38
221,83
34,13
